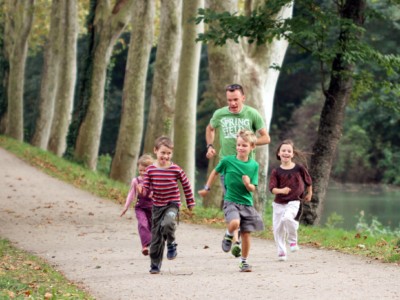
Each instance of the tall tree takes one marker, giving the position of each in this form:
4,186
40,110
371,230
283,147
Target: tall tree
162,105
247,64
332,33
186,97
66,79
50,74
130,134
18,23
108,25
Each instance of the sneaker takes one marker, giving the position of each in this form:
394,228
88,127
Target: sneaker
294,247
227,242
244,267
236,250
145,251
282,257
172,253
154,269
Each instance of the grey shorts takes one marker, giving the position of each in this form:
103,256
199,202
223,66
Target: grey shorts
250,219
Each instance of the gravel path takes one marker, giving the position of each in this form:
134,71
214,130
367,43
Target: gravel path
84,237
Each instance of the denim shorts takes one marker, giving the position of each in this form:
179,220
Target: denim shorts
250,219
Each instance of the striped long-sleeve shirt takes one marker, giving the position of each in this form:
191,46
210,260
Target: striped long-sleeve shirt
163,182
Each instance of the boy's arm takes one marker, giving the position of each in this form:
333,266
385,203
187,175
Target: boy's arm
209,183
249,186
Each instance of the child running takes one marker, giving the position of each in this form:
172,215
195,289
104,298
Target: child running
241,179
288,183
143,204
161,178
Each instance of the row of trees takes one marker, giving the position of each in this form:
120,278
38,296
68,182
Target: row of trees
72,104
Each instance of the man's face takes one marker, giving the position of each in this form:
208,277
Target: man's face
235,101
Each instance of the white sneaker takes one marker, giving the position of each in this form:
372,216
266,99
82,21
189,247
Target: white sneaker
294,247
282,257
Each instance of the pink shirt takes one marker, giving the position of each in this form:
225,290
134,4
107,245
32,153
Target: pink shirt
133,194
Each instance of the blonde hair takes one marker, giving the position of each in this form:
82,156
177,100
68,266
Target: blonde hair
248,136
163,141
145,160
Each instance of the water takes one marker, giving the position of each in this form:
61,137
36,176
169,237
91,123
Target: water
377,201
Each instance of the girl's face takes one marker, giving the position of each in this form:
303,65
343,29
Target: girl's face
142,170
243,148
286,153
164,155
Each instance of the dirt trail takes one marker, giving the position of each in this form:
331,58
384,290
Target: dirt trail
84,237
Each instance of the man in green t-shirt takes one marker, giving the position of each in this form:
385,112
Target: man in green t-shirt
229,120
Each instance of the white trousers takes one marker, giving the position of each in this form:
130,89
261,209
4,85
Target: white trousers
284,224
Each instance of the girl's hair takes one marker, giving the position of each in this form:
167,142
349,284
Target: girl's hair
296,152
145,160
163,141
248,136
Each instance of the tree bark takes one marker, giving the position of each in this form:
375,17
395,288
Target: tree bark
130,134
186,98
108,26
162,105
50,74
332,115
66,79
18,24
248,65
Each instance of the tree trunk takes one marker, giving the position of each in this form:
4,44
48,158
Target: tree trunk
18,24
186,98
108,26
130,135
332,115
162,105
50,74
66,79
248,65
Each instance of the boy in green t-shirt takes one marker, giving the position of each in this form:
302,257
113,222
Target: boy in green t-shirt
241,179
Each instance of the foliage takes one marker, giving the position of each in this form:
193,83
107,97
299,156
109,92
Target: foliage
314,28
24,276
375,228
334,220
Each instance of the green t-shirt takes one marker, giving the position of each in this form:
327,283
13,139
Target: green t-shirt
229,124
233,169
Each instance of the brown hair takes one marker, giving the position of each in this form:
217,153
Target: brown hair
248,136
296,152
233,87
145,160
163,141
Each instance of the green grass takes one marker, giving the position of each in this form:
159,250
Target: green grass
382,247
24,276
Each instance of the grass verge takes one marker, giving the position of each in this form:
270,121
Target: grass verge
24,276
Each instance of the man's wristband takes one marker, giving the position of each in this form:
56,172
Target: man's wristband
206,187
210,145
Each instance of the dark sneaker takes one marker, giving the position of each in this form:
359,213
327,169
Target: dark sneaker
227,242
154,269
172,253
236,249
244,267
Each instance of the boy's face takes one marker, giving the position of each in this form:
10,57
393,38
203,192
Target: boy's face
164,155
235,101
243,148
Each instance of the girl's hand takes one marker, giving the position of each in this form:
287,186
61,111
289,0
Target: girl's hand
285,190
308,197
124,211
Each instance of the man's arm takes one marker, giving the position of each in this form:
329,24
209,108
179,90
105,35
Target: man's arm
210,136
263,137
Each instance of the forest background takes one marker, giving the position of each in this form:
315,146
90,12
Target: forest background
368,151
